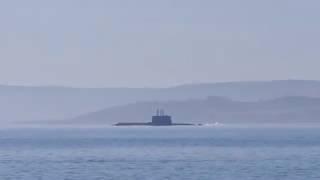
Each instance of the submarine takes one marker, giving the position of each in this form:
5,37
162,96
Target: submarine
160,119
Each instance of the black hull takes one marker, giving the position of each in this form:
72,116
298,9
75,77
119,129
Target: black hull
151,124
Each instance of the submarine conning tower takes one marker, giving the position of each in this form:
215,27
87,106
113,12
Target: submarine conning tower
160,119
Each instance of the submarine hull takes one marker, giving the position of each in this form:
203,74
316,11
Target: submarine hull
151,124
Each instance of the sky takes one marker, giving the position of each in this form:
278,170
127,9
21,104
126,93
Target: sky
149,43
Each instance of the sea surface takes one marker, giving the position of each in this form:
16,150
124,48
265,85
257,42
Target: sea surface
160,153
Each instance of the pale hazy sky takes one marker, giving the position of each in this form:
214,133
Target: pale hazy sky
139,43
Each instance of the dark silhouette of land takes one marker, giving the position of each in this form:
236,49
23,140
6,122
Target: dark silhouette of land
20,104
293,109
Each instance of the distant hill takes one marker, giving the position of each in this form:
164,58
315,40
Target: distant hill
18,103
214,109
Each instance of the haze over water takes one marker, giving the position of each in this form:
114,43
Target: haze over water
100,62
160,153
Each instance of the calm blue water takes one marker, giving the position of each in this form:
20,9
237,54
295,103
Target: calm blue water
153,153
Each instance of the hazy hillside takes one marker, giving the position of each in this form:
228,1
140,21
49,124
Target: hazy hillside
19,103
214,109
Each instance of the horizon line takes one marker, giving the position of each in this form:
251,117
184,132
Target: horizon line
150,87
